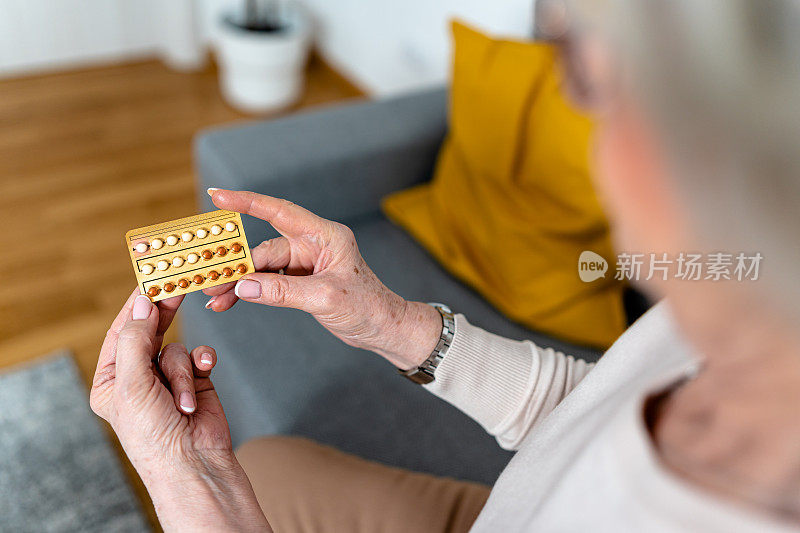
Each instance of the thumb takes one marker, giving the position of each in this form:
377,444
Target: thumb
135,345
307,293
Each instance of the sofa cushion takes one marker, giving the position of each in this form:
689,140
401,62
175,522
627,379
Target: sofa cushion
511,206
279,372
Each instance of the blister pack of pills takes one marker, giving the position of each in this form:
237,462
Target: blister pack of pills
189,254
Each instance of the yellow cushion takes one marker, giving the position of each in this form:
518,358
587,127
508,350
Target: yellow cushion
511,205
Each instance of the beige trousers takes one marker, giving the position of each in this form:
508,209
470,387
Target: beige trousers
303,487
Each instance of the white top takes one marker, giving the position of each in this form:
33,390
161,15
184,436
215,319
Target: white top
585,461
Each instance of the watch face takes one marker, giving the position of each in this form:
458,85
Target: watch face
422,377
418,375
441,307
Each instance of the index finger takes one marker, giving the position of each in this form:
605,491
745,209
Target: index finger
290,220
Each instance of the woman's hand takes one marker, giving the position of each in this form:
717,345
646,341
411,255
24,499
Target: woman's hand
164,409
325,275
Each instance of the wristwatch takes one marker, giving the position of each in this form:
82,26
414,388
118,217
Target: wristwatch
424,373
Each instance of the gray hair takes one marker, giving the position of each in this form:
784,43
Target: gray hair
721,78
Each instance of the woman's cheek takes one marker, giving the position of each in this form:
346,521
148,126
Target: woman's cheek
609,177
634,184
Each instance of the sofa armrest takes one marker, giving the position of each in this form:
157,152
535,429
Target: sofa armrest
337,162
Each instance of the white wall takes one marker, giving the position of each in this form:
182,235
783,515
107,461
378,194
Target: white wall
388,46
39,35
385,46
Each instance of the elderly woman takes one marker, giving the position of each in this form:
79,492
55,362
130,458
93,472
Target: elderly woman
690,421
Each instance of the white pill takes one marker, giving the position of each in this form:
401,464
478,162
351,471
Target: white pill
177,261
156,244
186,236
172,240
202,233
216,230
141,247
147,269
230,226
162,265
193,258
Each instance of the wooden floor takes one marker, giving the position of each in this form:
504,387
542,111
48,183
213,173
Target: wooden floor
85,156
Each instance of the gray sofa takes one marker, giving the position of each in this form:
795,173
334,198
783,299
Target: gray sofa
279,372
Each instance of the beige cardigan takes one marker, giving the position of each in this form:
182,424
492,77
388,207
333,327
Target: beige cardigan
585,461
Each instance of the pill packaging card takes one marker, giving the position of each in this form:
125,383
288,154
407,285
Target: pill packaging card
189,254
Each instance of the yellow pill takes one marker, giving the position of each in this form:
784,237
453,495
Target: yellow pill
162,265
186,236
156,244
147,269
177,261
172,240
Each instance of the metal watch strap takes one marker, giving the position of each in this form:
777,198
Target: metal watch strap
424,373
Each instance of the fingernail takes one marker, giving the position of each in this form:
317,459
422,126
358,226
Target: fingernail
141,307
210,302
247,288
206,359
187,402
211,190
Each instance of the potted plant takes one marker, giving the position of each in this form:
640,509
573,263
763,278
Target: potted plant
262,51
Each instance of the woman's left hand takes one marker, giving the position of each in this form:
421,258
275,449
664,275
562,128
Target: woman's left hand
164,409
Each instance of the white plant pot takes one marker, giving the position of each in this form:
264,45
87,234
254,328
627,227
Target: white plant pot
261,71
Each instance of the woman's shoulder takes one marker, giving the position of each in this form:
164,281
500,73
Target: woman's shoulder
651,347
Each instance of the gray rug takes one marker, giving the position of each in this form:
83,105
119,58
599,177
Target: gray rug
58,471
